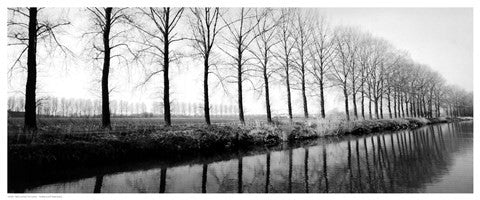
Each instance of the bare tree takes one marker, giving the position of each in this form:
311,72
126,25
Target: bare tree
321,54
376,73
205,29
107,24
364,59
302,35
241,34
355,74
285,53
391,68
158,34
26,30
54,104
263,53
343,65
458,102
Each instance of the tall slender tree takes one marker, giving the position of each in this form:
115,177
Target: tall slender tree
303,41
285,53
108,23
321,58
344,39
158,35
241,34
26,30
205,29
262,53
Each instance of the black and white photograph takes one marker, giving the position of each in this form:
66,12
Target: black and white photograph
192,98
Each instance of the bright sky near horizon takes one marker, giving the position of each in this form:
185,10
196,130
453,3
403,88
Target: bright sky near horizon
441,38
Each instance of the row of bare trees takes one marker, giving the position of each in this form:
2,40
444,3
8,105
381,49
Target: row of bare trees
194,109
369,68
71,107
252,46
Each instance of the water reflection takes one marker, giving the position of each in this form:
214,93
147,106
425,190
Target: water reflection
163,173
98,184
204,178
405,161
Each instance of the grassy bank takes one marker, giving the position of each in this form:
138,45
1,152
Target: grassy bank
55,151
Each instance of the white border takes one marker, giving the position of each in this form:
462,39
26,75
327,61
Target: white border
238,3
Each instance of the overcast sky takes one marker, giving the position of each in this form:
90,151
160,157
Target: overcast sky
441,38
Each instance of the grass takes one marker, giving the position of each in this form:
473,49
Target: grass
53,150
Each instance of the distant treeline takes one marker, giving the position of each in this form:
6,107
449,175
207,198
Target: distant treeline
74,107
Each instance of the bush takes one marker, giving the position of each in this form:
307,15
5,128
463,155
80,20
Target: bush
417,122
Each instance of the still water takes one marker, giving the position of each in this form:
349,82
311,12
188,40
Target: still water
437,158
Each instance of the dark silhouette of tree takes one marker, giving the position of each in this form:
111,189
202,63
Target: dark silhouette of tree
285,56
376,73
342,66
158,34
107,24
321,58
302,35
241,34
262,53
26,30
30,100
205,29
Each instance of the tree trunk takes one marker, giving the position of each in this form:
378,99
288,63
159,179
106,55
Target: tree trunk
369,102
267,93
240,92
206,107
289,95
166,82
322,99
419,107
304,95
363,102
345,94
401,111
106,70
354,99
30,123
430,105
405,112
425,111
395,99
389,105
412,106
381,105
401,103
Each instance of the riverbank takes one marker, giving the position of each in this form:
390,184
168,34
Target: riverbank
60,151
